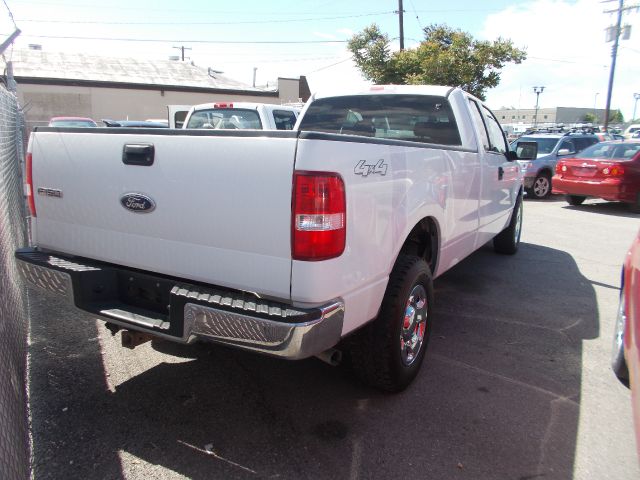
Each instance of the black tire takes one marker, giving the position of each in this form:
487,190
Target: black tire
377,351
508,240
635,207
575,200
541,187
618,363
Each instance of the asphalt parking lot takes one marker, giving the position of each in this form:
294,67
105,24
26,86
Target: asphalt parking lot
516,383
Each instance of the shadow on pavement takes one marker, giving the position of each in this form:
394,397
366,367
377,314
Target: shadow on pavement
617,209
498,396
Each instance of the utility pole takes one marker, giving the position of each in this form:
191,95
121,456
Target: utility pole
400,12
616,31
636,97
537,91
182,48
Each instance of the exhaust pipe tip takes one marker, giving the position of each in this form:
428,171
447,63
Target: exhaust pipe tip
331,356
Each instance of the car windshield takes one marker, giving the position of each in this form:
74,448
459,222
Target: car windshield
72,123
545,145
222,118
619,152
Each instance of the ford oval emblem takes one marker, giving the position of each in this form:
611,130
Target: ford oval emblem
137,202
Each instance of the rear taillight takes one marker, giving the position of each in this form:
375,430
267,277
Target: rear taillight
318,229
561,168
613,170
223,105
29,184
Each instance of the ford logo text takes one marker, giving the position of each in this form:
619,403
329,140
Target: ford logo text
137,202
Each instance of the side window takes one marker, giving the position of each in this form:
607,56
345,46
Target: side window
179,118
582,143
477,119
567,144
496,136
284,119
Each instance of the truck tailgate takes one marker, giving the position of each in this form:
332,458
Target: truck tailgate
222,203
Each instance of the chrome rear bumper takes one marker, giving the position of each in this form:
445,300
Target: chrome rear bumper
184,312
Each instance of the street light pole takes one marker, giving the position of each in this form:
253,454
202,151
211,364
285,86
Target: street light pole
595,107
636,96
537,91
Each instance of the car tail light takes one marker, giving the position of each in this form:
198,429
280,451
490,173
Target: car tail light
561,167
223,105
613,170
29,184
318,230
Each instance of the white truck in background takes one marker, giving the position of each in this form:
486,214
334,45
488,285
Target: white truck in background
241,115
289,243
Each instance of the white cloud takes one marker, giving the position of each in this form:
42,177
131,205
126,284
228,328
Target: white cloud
567,54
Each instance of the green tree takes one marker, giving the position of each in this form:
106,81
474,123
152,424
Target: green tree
615,116
590,118
445,57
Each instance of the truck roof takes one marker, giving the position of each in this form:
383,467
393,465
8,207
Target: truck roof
246,105
436,90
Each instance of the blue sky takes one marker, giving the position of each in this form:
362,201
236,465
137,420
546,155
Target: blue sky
565,39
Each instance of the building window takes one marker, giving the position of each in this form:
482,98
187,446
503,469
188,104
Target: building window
545,117
503,117
513,117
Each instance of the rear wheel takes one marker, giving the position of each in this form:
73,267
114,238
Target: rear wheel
388,352
541,186
635,207
575,199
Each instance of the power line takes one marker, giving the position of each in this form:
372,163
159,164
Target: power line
243,22
329,66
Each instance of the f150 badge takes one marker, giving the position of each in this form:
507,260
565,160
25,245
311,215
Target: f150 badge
365,169
137,202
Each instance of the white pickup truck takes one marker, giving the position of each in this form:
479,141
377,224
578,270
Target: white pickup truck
290,243
241,115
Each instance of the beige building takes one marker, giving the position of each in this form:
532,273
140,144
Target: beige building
52,84
565,115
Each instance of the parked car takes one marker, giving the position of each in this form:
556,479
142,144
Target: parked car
631,129
551,147
608,170
72,122
626,344
134,123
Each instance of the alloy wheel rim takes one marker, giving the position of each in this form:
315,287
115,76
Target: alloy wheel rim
541,186
518,223
414,325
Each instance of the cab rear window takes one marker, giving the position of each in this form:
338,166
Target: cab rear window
417,118
225,118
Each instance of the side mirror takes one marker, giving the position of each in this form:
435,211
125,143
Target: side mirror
526,150
564,151
511,155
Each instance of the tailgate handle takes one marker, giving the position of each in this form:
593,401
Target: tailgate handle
138,154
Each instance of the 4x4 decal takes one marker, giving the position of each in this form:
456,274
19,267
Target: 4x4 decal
365,169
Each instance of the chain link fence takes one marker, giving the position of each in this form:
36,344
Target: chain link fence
14,437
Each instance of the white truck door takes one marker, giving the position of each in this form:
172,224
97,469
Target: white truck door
499,175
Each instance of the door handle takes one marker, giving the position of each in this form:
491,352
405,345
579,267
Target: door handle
138,154
500,173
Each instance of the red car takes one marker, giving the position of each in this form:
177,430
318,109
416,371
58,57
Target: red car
626,346
608,170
